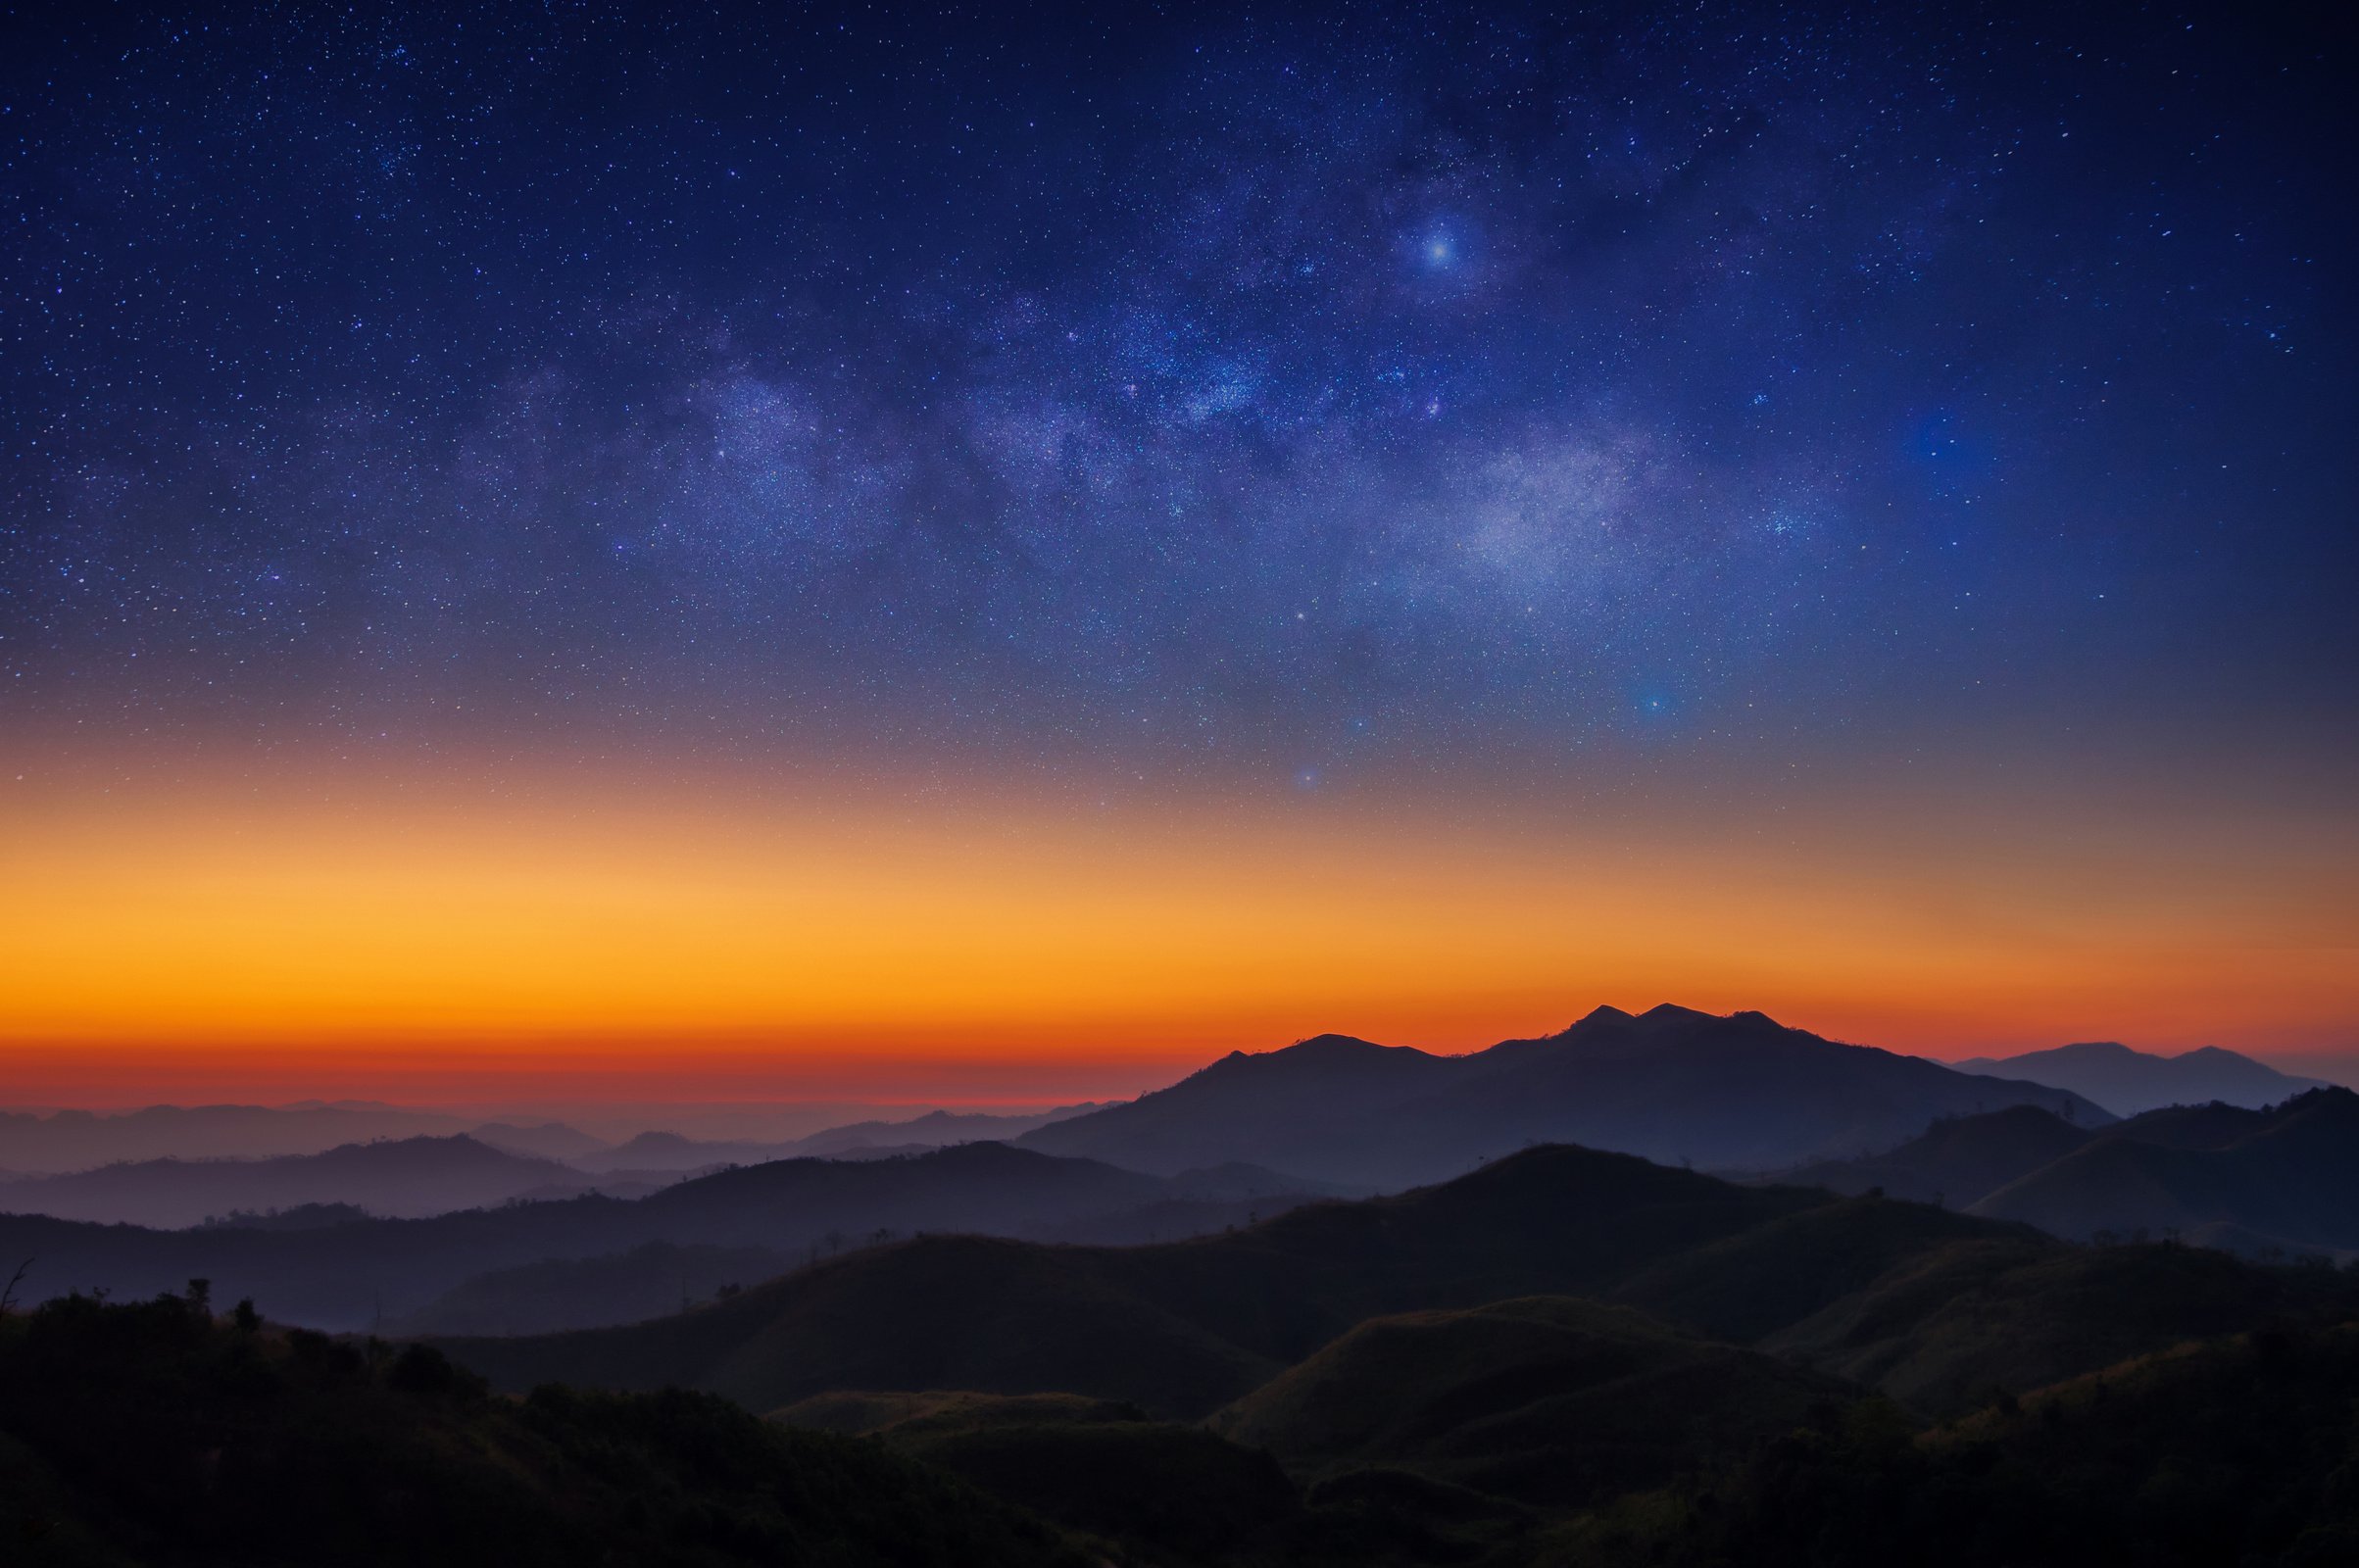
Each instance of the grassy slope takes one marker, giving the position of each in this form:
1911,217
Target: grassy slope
1546,1400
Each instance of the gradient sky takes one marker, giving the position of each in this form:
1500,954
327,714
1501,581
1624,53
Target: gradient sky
973,553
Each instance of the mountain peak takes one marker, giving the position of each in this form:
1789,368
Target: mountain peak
1331,1044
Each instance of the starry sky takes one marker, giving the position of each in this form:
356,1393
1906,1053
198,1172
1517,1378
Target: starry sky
1725,473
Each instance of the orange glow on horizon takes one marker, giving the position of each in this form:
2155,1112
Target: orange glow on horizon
405,939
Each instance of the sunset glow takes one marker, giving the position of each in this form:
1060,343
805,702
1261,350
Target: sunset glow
612,934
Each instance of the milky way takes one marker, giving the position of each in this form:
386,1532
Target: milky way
1301,395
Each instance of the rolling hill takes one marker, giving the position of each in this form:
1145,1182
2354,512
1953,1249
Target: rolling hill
2235,1451
1736,1093
1546,1400
2292,1175
2127,1082
1935,1304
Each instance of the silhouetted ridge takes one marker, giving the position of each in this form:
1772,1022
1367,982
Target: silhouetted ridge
409,1177
1672,1084
2127,1082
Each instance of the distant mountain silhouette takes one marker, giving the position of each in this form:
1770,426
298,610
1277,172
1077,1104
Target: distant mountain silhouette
575,1293
1736,1093
675,1151
355,1275
936,1129
546,1140
64,1141
1936,1307
2127,1082
402,1178
2274,1181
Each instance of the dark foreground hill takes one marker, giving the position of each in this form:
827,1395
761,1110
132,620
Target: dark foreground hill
152,1433
2278,1181
2127,1082
2237,1451
1736,1093
1934,1306
360,1274
1558,1432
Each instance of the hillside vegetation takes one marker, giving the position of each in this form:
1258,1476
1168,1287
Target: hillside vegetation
152,1433
1545,1400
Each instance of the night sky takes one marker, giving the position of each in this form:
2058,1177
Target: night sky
1446,411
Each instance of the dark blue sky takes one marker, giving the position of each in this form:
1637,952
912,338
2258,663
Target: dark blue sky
1299,394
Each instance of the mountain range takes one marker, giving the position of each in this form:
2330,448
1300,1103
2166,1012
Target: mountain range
1737,1092
2268,1181
64,1141
398,1178
1179,1357
1929,1305
1676,1086
332,1270
2127,1082
860,1140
